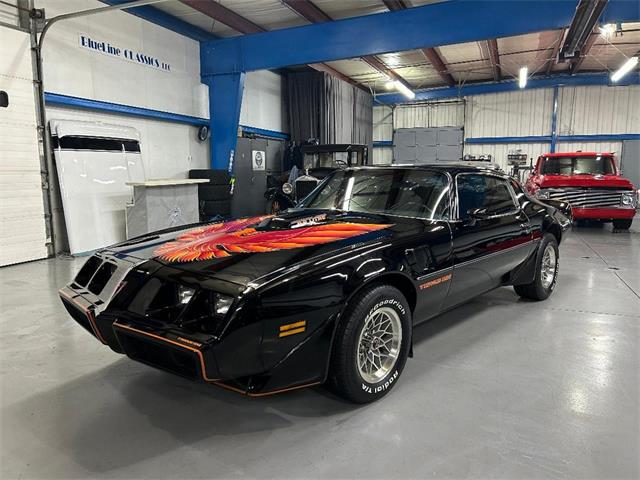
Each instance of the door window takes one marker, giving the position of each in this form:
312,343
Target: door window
486,193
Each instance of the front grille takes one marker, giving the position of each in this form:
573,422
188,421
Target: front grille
304,188
78,315
586,197
163,357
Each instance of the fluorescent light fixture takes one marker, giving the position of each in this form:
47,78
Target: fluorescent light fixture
624,69
403,89
607,30
522,77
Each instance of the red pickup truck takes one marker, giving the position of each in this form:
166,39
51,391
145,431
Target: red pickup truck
590,182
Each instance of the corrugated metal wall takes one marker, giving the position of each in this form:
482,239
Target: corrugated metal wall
382,131
594,110
581,111
510,114
444,114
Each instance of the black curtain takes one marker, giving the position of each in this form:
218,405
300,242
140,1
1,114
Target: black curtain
331,110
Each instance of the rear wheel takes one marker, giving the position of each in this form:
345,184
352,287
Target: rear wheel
371,345
622,224
546,271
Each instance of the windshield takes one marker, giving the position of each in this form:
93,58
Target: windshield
598,165
410,193
326,160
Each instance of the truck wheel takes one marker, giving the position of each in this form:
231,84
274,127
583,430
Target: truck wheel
546,271
623,224
371,345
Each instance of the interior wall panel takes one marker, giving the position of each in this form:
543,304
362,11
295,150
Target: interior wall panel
263,101
71,69
522,113
599,109
615,147
382,123
382,156
446,114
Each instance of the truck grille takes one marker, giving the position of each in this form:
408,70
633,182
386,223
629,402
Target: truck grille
304,188
586,197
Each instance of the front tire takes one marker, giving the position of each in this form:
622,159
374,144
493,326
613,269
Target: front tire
371,345
547,260
622,224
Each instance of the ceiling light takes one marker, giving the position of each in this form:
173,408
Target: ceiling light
403,89
624,69
607,30
522,77
389,85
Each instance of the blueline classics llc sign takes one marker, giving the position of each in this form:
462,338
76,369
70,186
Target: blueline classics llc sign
124,53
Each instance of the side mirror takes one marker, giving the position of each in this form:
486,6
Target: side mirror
477,213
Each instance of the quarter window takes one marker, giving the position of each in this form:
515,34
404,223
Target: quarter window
481,192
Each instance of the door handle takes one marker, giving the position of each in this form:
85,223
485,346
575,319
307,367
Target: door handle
526,227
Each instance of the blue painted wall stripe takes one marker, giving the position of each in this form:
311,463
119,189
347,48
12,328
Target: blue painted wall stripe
57,99
606,137
554,119
496,140
505,86
264,132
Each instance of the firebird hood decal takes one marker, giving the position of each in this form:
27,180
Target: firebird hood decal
241,236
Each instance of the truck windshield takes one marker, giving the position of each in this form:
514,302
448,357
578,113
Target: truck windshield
597,165
402,192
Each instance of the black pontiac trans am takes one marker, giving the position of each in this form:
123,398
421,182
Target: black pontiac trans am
328,291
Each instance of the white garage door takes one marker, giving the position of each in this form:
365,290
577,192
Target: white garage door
22,226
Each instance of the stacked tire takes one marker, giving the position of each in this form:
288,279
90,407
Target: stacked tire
214,197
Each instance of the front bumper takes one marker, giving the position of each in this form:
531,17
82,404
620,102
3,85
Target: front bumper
603,213
233,363
167,351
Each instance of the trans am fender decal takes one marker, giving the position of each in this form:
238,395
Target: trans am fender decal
239,236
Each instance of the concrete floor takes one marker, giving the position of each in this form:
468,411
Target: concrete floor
499,388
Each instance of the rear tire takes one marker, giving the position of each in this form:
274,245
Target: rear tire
623,224
371,345
547,262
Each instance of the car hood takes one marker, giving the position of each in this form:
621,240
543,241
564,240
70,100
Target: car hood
245,250
588,181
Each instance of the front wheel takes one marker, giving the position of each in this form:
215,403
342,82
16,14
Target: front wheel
371,345
622,224
546,271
